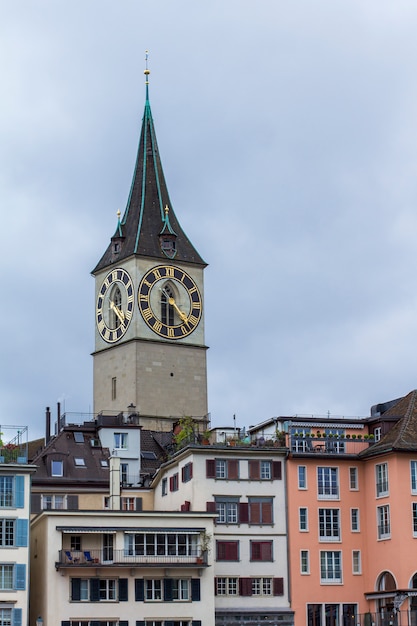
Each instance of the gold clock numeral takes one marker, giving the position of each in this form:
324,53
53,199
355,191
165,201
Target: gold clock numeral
197,305
157,274
147,283
192,290
184,329
193,320
169,272
143,298
157,326
147,313
114,274
171,333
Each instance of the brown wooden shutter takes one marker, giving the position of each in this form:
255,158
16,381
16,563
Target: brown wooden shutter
243,513
267,512
233,469
278,586
210,468
277,470
245,586
211,507
254,470
254,512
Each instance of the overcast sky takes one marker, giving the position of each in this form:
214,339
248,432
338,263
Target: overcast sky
288,137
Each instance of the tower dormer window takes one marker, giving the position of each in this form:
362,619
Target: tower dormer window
167,310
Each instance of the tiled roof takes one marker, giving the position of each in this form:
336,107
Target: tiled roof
402,437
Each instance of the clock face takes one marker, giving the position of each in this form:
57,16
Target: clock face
169,302
114,305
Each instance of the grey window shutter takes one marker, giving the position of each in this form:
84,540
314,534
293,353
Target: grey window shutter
76,589
123,593
139,590
35,503
138,504
17,617
195,590
22,526
167,589
72,502
94,589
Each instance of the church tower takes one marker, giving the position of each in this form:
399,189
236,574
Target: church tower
149,337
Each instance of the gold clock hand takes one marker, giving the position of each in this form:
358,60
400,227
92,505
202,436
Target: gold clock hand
178,310
118,312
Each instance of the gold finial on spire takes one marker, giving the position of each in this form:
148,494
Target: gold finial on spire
166,209
146,71
118,214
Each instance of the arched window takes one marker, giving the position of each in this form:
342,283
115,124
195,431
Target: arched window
413,602
387,615
116,299
167,310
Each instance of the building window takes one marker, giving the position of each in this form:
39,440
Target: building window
6,577
384,529
187,472
330,566
262,586
335,440
381,479
328,483
76,542
167,309
128,504
266,470
226,586
5,617
356,562
413,470
227,509
261,550
107,589
79,462
57,468
302,477
53,502
260,511
353,478
303,518
164,486
180,589
304,562
173,482
7,532
415,519
227,550
161,544
114,388
329,525
120,441
227,469
153,589
377,433
354,520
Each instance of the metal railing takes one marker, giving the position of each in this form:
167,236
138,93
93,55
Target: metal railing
110,556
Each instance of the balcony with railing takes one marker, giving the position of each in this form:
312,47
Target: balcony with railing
313,443
13,444
127,558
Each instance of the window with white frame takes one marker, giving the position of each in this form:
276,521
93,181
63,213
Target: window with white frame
304,562
353,478
262,586
303,518
120,441
227,586
328,483
164,486
221,468
79,461
53,502
413,472
330,566
354,520
6,617
57,468
384,527
227,509
356,562
414,512
302,477
107,589
153,589
7,532
377,433
266,470
161,544
181,589
381,471
6,577
329,524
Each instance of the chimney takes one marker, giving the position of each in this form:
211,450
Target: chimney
47,425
